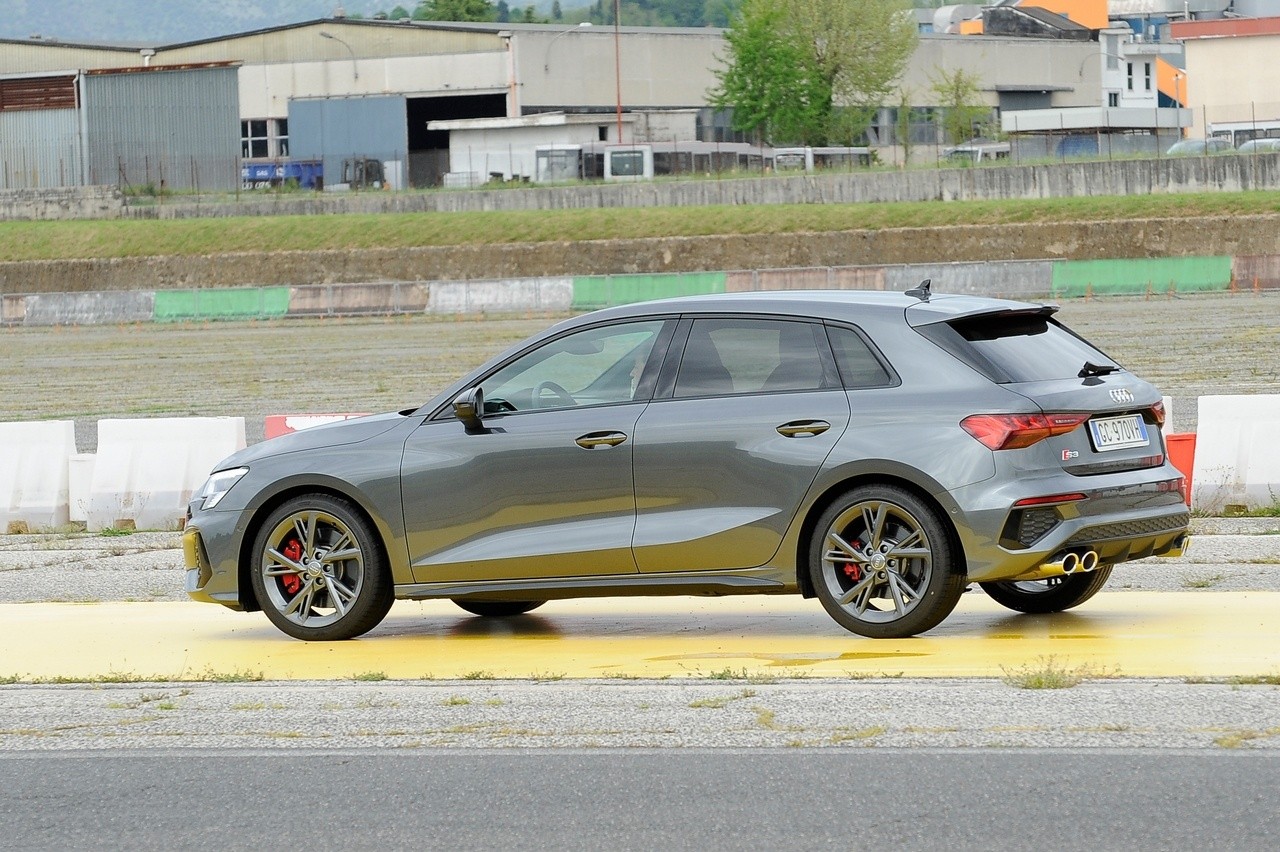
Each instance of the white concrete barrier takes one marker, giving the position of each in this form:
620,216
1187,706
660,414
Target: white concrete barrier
146,470
80,485
1237,461
1168,415
514,296
33,473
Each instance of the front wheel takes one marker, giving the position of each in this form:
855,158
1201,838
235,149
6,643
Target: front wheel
497,609
1052,595
882,563
318,570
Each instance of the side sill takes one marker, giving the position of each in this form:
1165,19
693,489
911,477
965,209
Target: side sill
598,587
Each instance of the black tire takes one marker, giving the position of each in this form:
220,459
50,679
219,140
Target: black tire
318,570
498,609
1037,597
903,579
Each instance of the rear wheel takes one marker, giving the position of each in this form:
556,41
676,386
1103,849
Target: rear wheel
882,563
498,609
1052,595
318,570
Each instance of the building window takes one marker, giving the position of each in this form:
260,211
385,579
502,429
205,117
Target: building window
1113,99
1146,75
264,138
1129,75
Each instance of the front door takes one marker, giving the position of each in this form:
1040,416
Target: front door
545,489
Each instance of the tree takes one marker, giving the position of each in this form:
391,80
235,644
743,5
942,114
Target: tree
813,71
557,14
504,11
398,13
455,10
958,94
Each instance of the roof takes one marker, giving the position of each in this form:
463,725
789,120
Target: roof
833,304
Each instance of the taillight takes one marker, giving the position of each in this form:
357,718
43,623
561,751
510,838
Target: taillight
1015,431
1158,411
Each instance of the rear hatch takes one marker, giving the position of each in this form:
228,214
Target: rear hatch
1117,416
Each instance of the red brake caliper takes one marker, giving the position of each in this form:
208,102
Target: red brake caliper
852,571
292,550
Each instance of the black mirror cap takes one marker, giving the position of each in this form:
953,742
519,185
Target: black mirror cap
468,407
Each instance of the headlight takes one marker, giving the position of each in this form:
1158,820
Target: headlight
217,486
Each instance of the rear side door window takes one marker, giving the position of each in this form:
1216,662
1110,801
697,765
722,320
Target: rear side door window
745,355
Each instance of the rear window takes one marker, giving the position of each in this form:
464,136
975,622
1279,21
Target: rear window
1018,347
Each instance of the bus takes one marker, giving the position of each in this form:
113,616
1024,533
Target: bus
1239,132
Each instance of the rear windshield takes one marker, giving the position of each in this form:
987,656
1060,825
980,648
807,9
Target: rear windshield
1018,347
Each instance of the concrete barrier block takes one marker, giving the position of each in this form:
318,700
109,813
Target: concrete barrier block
1168,415
282,424
510,296
89,308
1236,462
33,473
1014,279
79,485
146,470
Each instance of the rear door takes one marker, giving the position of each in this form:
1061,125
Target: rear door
742,422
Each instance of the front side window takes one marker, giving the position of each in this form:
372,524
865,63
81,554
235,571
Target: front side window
738,356
595,366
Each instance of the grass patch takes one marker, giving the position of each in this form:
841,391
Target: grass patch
1046,673
456,701
113,532
479,674
855,734
1201,581
142,238
369,677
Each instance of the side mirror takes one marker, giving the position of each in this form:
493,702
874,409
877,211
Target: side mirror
468,407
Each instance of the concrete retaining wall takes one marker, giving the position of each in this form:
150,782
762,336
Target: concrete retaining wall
1017,279
1048,180
70,202
1241,236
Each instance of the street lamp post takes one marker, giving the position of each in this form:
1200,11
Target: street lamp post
546,60
617,60
355,70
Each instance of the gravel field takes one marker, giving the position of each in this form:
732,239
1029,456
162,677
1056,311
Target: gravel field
1112,713
1188,346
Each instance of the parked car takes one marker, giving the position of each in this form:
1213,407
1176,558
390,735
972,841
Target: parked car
1259,146
878,451
1199,147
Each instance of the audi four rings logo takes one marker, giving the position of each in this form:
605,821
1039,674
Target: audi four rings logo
1121,395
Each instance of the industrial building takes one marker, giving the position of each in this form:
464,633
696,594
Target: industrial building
427,100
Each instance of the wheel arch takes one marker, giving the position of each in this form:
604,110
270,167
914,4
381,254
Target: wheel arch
244,562
824,500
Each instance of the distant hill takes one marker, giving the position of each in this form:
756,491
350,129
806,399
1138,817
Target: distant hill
156,21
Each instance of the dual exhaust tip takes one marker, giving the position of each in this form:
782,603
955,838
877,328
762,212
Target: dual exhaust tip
1075,563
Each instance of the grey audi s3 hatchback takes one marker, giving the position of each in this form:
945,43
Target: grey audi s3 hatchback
878,451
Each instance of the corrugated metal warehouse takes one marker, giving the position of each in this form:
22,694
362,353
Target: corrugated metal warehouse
158,127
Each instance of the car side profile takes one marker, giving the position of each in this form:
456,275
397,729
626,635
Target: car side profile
878,451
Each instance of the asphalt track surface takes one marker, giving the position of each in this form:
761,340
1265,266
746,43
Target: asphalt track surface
723,799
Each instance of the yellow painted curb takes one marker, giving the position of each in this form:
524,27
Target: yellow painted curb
1135,634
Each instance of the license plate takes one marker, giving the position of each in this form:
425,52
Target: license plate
1117,433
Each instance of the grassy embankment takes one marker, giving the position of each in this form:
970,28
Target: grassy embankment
140,238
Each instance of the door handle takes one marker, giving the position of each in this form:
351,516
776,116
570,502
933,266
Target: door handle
600,439
802,428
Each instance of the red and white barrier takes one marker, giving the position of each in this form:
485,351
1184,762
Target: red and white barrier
283,424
